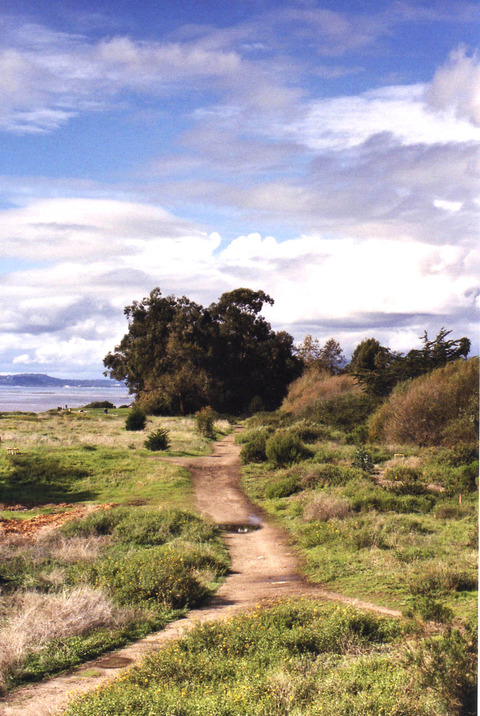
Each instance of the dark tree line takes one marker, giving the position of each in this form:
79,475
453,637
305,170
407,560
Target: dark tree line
178,356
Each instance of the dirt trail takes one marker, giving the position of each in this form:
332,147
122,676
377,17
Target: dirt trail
264,567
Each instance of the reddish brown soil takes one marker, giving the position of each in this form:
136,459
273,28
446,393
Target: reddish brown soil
30,526
264,567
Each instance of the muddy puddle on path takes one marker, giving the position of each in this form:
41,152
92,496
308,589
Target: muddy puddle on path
263,567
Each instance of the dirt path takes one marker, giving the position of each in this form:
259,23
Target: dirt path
264,567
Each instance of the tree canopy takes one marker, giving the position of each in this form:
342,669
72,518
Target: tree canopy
329,357
379,369
178,356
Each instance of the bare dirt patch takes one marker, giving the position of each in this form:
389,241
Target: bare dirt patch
264,567
29,527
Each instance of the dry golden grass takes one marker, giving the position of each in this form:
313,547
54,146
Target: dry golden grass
50,544
439,408
326,507
39,618
316,385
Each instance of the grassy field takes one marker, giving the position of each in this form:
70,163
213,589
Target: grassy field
408,545
90,457
135,558
388,529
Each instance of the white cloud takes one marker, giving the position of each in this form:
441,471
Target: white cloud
456,86
54,229
47,77
344,122
71,310
314,278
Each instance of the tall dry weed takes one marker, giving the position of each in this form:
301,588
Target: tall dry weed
40,618
315,385
326,507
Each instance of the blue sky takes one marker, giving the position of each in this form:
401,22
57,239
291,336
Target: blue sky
325,152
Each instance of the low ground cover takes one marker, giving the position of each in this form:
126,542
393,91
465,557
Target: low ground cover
297,658
369,540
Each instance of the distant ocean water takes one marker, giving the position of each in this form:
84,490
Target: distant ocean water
37,400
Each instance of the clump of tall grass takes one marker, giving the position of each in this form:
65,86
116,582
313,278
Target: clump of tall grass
326,507
37,619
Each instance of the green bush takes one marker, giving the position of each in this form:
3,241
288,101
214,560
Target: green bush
377,498
136,419
254,449
346,411
326,475
358,436
284,487
311,432
100,522
158,440
284,447
431,609
405,479
363,460
100,404
447,664
153,528
204,420
152,577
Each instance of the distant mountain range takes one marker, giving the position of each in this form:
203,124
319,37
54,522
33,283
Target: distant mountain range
41,380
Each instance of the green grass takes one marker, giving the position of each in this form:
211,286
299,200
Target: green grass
148,559
376,542
90,457
301,658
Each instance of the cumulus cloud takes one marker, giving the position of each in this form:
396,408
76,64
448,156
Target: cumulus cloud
456,86
72,310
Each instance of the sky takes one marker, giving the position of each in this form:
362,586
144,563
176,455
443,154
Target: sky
323,151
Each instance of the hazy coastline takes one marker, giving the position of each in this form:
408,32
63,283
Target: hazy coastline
38,400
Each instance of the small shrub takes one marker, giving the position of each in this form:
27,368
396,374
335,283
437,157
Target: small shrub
325,475
152,577
432,610
405,479
442,580
204,420
358,436
377,498
310,432
100,522
100,404
158,440
363,460
447,664
284,487
460,455
254,449
284,447
136,420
